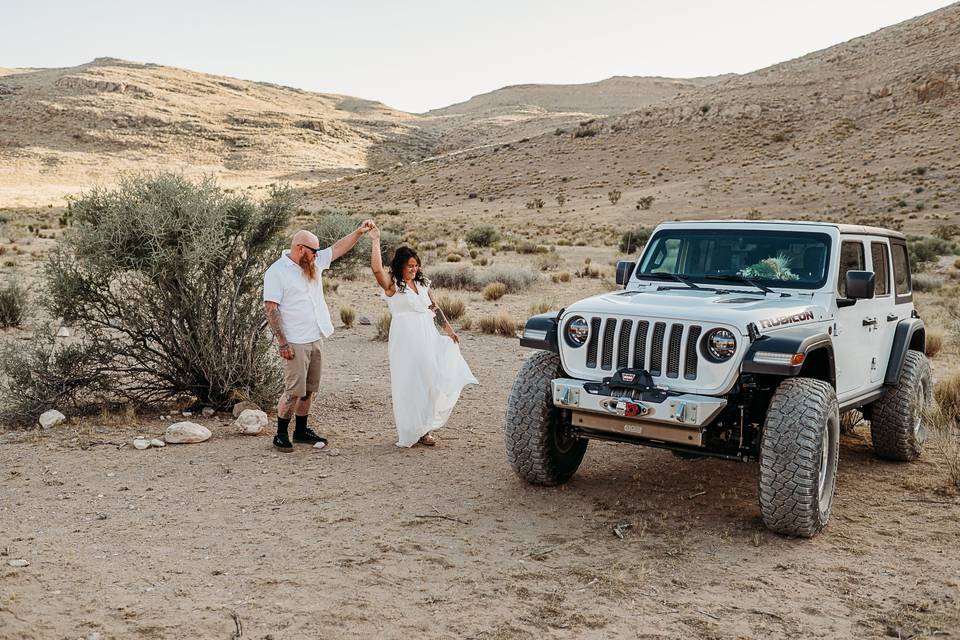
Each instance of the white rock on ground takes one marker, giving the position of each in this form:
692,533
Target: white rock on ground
156,442
18,563
240,407
208,412
251,421
186,432
141,444
51,418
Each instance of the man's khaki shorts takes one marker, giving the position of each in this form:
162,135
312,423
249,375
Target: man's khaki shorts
302,374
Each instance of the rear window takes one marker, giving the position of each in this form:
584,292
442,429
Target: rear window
901,270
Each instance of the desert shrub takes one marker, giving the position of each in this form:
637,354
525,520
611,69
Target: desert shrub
163,278
926,282
473,254
13,304
548,261
563,276
541,306
536,203
956,263
348,315
383,327
494,291
614,196
482,236
645,202
561,199
934,342
947,231
516,279
466,323
943,420
453,307
500,324
926,250
462,277
634,239
333,225
587,129
454,257
41,374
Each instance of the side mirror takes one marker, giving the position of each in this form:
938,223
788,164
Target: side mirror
624,271
860,285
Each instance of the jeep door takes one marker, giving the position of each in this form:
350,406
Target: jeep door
887,312
855,337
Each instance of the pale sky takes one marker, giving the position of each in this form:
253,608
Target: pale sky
417,55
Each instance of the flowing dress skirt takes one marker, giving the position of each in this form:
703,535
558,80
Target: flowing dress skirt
427,372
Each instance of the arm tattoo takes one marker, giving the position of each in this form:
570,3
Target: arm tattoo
273,319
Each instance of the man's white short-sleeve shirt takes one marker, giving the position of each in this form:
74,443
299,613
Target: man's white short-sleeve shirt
303,310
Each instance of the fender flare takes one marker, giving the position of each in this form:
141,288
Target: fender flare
790,341
911,333
541,332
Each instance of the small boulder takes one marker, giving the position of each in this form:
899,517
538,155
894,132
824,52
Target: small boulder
186,432
64,332
364,320
208,412
141,444
240,407
157,442
19,563
251,421
51,418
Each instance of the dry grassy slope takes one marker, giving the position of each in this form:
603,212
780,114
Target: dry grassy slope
527,110
868,129
80,124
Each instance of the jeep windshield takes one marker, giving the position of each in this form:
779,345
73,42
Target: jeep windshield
780,259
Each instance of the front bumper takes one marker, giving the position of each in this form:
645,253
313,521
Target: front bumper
678,419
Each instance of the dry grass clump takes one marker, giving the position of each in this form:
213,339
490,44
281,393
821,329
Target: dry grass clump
13,304
927,282
548,261
454,257
453,307
563,276
466,323
541,306
942,421
956,263
494,291
499,324
383,327
934,342
347,316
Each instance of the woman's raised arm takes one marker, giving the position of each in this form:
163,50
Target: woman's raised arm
376,263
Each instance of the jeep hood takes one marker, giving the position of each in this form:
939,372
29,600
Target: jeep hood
736,308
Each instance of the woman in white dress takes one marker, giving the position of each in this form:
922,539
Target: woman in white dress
427,371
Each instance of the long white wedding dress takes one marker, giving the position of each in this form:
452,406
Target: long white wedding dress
427,372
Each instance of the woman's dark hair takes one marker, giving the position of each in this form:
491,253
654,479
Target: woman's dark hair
400,258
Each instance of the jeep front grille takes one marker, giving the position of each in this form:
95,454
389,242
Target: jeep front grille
658,348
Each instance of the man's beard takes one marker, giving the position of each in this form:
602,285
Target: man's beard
309,267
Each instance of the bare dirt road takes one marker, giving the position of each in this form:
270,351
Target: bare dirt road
368,541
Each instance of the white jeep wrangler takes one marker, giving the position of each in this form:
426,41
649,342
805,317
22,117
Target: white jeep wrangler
736,339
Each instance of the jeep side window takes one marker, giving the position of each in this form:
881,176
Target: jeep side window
901,272
851,259
881,267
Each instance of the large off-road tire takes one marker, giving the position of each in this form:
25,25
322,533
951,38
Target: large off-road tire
798,457
896,424
538,447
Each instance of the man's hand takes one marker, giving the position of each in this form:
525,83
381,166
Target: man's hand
286,352
367,225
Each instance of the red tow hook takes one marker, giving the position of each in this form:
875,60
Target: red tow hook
630,409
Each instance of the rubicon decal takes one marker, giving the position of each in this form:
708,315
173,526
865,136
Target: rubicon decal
782,320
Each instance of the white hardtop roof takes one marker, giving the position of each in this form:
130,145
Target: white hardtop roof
857,229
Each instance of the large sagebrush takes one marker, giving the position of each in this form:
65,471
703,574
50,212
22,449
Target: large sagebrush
163,278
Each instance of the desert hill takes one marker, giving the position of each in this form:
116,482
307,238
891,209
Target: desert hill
868,129
75,126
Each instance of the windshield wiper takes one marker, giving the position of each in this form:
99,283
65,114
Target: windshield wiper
737,278
669,276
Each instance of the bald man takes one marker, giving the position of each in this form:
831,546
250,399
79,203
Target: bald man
298,315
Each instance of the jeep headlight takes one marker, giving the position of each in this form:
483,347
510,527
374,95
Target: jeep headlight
576,331
720,344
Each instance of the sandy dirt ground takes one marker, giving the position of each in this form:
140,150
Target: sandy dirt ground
369,541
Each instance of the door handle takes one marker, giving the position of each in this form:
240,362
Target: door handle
869,322
892,317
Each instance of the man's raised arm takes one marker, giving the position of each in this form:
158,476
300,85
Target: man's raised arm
346,243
